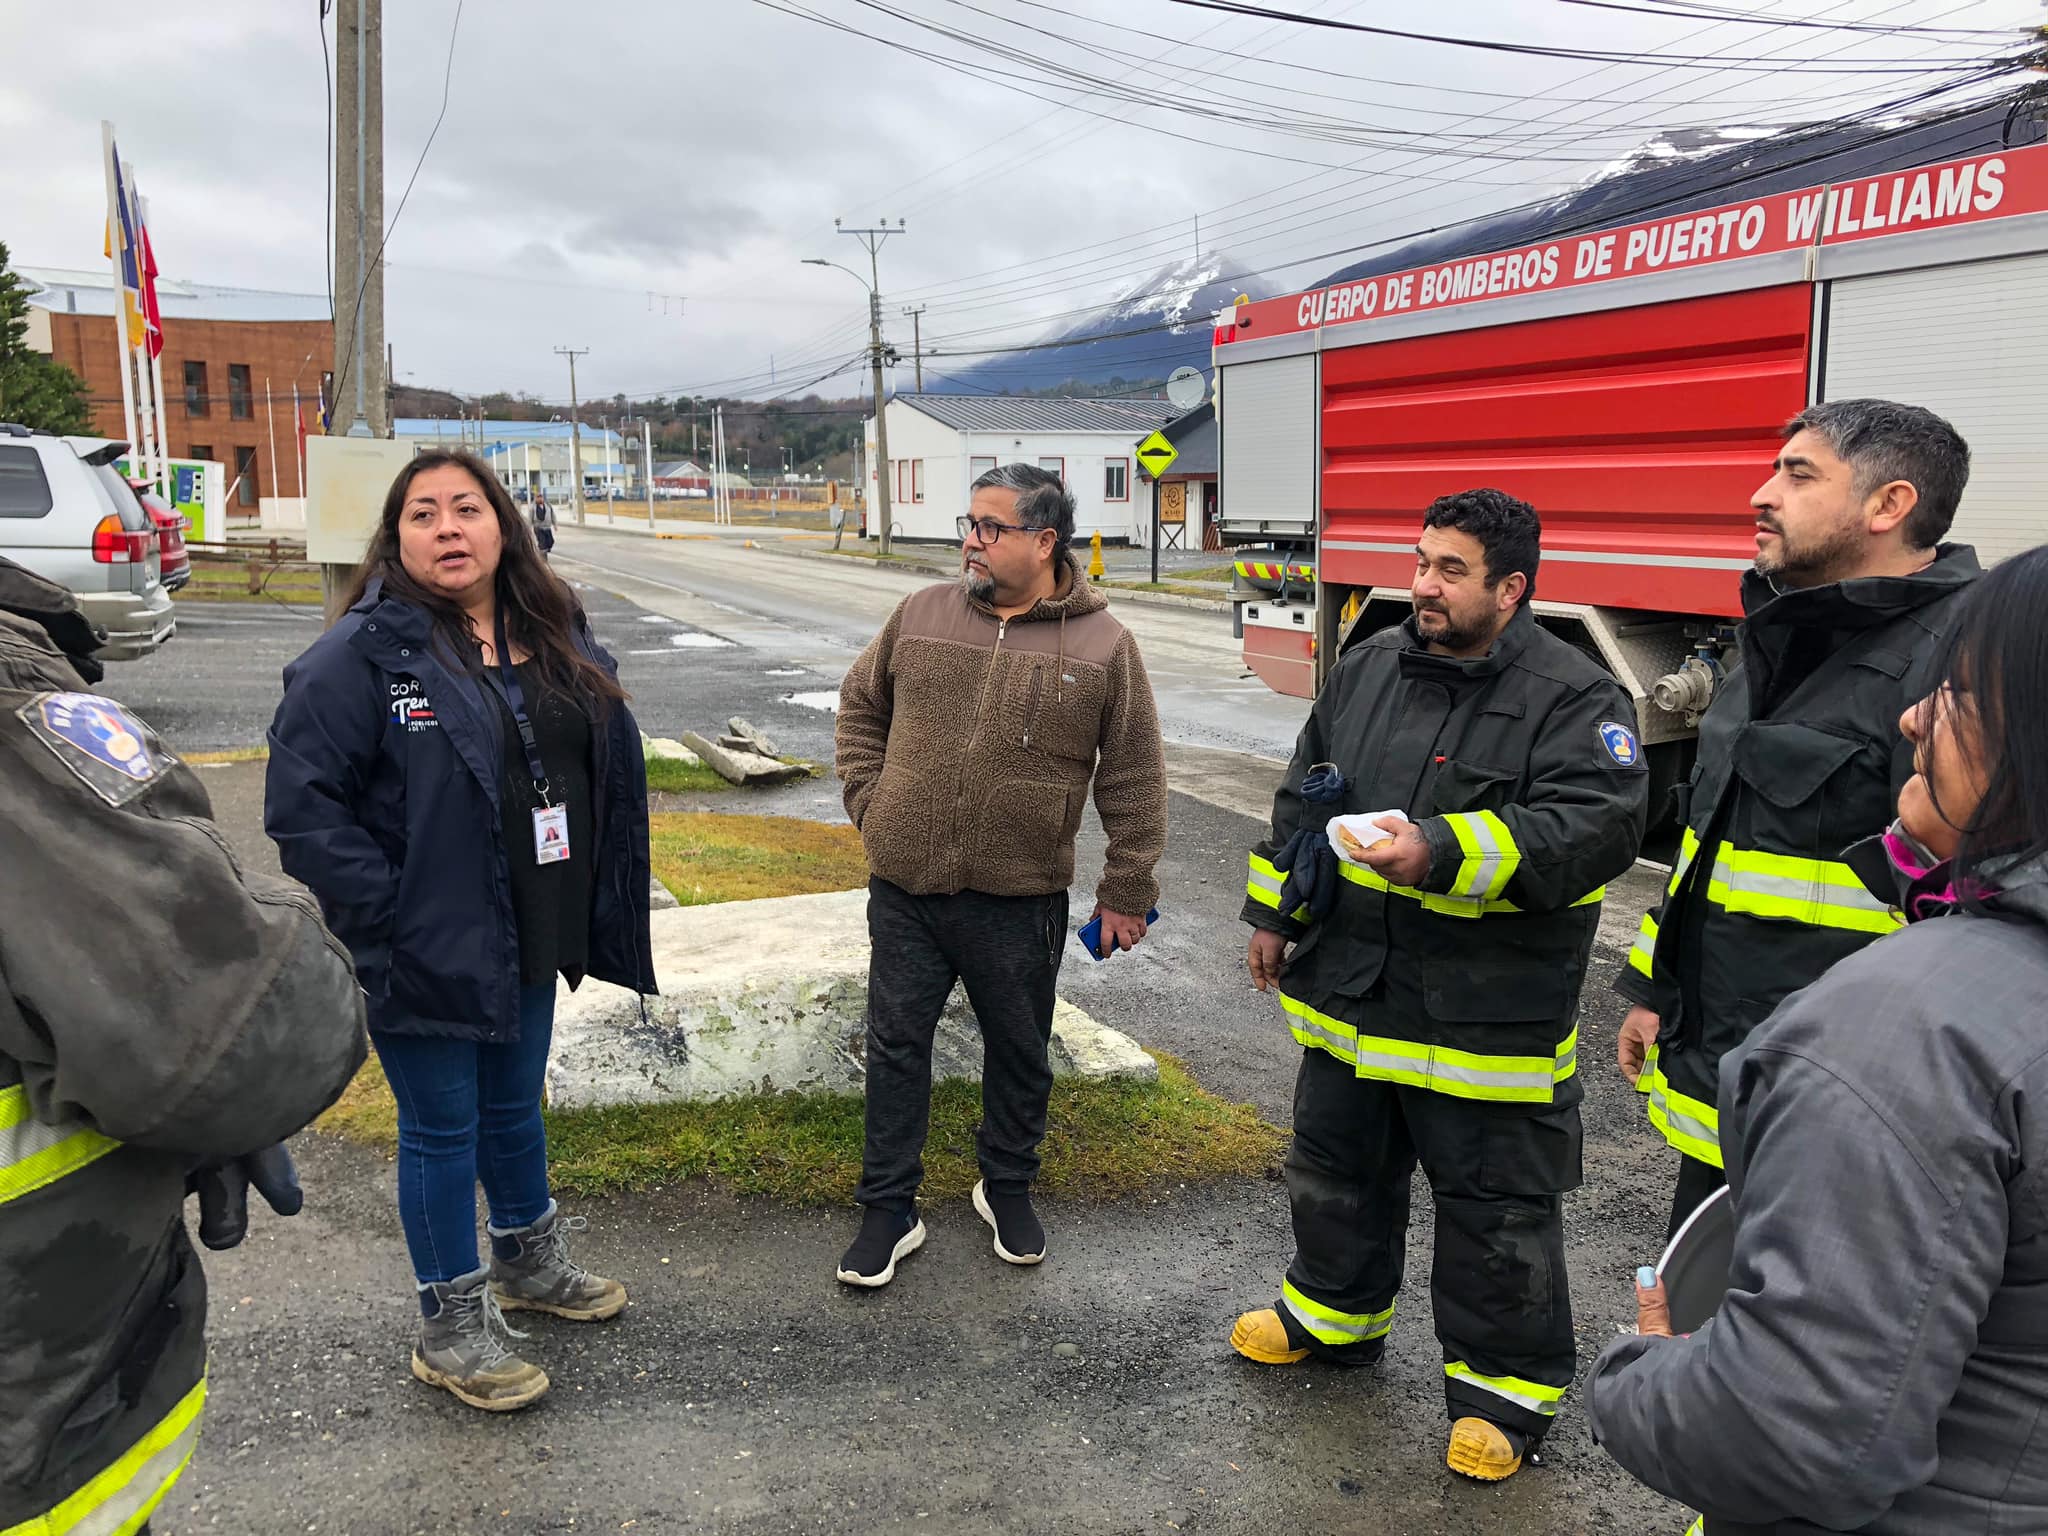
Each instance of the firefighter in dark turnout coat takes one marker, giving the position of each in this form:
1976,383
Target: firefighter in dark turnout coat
1800,754
1435,983
162,1016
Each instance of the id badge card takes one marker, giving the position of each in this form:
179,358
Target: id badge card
550,834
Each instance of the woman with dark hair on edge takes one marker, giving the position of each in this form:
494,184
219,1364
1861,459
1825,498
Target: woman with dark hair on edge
454,772
1880,1360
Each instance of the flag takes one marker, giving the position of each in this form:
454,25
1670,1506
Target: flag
121,236
152,319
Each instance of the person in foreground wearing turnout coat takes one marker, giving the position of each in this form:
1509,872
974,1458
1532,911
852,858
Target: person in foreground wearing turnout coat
969,730
1799,753
1434,980
166,1019
1879,1362
454,771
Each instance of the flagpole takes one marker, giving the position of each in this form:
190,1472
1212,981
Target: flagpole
147,409
270,416
120,287
156,385
299,438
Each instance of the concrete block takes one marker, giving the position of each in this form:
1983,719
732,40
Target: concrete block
742,767
751,737
767,996
663,746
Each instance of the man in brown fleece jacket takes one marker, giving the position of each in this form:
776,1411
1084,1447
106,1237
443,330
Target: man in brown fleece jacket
968,733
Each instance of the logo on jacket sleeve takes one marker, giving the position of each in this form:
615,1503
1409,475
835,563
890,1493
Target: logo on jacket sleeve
99,741
1620,743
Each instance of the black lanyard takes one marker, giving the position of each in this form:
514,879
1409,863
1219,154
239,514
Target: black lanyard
516,697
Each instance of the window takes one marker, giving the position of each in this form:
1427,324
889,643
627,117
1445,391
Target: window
1116,479
201,450
24,489
917,479
902,468
196,403
240,407
1057,466
977,467
245,475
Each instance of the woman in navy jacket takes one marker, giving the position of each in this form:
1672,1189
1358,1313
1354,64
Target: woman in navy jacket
455,774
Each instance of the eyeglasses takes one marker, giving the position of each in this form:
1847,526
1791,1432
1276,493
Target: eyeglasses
988,530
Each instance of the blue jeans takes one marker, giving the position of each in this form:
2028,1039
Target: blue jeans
466,1109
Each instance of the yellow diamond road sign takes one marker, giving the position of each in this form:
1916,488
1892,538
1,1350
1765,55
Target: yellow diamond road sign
1157,454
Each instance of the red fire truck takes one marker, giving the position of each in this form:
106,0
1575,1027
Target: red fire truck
1630,383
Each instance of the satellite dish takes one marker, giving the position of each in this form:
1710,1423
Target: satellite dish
1185,388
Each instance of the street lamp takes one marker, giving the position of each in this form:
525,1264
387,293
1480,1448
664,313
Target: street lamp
881,464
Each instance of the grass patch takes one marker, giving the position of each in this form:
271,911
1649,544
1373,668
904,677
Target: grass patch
1103,1139
704,857
672,775
220,582
228,755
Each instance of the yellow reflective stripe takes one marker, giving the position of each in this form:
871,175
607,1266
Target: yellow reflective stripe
1264,882
1642,955
1461,1074
1329,1326
1698,1526
1447,906
116,1502
1532,1395
33,1154
1787,888
1688,850
1263,886
1490,853
1690,1125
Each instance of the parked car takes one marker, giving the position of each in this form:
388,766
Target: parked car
66,513
170,530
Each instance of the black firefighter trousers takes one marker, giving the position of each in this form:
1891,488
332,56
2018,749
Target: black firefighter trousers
1007,950
1497,1284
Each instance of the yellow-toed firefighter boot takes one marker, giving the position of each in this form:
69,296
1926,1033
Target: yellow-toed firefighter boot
1261,1336
1482,1449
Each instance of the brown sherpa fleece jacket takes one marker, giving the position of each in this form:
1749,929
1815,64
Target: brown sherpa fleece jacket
966,745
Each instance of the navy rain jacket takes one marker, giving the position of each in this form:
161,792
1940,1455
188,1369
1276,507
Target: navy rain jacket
382,796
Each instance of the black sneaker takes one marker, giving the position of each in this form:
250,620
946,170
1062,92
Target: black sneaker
1019,1237
885,1237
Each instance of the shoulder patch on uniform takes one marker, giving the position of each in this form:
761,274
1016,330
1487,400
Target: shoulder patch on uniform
1620,744
99,741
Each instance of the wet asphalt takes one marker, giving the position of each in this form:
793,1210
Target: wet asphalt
746,1391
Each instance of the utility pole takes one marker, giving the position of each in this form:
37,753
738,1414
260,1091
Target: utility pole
359,210
575,430
872,239
917,342
358,213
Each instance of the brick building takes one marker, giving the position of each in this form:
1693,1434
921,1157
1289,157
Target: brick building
230,359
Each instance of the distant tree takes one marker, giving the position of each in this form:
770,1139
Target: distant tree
35,390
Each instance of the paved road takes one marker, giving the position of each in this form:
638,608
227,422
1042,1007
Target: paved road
745,1391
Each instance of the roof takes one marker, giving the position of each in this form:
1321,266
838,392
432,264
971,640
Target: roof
679,469
452,429
1019,413
66,290
1195,436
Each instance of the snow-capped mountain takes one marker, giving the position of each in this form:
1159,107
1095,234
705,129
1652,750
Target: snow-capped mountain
1149,329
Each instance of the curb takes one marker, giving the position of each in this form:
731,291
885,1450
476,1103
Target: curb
1114,594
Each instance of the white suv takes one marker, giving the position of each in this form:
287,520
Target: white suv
66,514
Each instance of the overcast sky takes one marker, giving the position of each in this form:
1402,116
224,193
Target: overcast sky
601,161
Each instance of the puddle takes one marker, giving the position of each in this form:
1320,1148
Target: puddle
693,641
827,701
784,672
656,618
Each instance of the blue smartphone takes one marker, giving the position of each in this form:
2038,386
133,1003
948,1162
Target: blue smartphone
1091,934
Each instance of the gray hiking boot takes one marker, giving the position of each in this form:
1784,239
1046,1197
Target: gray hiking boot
531,1270
463,1347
